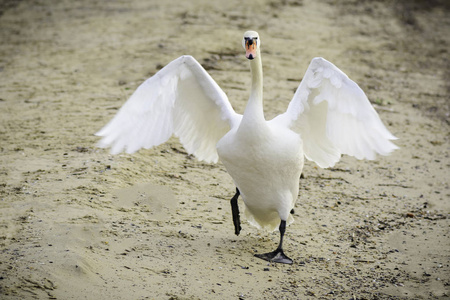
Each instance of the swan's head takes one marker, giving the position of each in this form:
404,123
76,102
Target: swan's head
251,44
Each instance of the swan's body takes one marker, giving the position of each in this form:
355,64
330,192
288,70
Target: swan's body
266,169
328,116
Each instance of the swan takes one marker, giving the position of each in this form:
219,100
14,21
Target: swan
329,115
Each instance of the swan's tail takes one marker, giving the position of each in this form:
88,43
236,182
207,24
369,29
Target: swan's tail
269,222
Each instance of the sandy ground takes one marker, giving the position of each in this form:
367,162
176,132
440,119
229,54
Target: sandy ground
77,223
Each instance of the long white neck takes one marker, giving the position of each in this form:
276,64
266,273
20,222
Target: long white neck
254,112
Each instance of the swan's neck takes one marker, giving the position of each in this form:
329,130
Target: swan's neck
254,112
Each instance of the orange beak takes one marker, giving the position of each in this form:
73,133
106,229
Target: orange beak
250,48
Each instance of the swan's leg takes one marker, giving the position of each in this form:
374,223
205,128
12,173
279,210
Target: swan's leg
277,255
235,211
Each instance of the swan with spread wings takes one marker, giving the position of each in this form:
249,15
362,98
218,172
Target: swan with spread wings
328,116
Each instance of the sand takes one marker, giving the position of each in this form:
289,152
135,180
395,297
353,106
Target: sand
78,223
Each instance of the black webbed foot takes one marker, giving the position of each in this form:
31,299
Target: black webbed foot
277,256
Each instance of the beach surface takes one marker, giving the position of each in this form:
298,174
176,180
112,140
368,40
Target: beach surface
79,223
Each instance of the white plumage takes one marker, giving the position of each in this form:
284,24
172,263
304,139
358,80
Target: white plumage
328,116
180,99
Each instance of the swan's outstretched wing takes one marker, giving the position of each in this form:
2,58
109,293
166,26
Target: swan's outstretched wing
180,99
333,116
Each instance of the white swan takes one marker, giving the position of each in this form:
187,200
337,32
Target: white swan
329,115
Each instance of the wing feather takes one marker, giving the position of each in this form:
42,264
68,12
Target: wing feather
334,117
180,99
